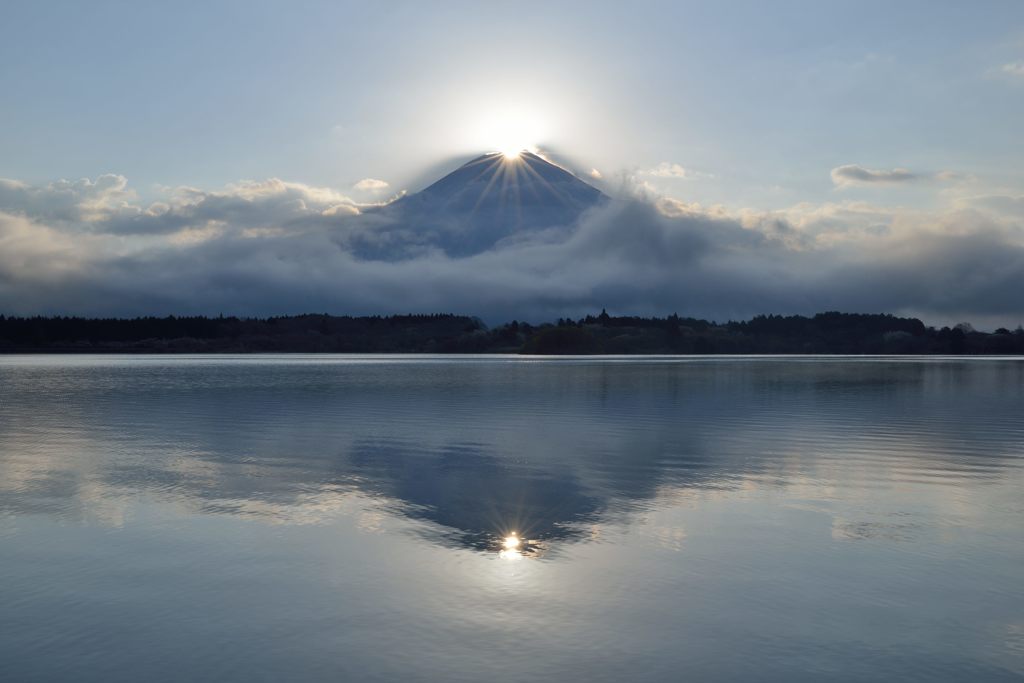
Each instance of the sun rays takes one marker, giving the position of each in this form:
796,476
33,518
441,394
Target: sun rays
514,180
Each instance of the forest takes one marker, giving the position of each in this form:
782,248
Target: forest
824,333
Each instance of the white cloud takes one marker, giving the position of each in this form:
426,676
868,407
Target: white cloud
371,185
271,203
672,170
70,200
278,247
1009,206
1015,69
108,205
667,170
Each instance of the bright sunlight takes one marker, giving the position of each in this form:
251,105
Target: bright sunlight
509,130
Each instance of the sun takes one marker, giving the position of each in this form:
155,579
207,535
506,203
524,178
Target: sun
508,130
512,133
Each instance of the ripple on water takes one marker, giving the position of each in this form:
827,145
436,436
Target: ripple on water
313,517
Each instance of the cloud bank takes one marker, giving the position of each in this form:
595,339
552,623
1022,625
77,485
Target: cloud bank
90,247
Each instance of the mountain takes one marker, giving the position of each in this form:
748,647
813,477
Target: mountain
491,200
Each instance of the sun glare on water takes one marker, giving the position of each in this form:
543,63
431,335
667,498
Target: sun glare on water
510,548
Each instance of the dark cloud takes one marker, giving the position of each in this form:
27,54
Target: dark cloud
276,247
853,174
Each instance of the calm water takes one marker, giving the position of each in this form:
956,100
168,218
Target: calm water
345,518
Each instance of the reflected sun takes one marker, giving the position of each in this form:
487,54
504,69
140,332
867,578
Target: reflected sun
510,548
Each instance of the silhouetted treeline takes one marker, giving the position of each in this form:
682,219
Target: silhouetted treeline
439,333
824,333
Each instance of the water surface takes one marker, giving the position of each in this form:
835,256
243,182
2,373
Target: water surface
267,518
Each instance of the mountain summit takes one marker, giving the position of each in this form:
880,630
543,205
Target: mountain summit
491,200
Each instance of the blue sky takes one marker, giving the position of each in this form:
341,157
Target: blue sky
764,97
908,112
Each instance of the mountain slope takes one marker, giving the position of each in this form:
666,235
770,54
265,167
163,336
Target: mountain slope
490,200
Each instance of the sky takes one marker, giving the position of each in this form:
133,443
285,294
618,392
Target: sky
856,138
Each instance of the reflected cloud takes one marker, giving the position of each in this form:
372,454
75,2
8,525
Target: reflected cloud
849,530
516,460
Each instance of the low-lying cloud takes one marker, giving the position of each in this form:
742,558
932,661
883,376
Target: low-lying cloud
274,247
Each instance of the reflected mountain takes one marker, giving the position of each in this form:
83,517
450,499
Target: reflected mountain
473,451
476,500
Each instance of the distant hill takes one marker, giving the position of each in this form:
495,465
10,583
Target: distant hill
825,333
490,200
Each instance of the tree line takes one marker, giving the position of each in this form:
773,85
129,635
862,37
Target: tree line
825,333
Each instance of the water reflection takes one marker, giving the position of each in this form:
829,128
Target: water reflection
316,519
476,450
472,498
511,548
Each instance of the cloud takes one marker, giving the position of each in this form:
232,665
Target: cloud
671,170
853,174
1007,205
68,200
950,176
1015,69
107,206
270,247
30,252
371,185
595,174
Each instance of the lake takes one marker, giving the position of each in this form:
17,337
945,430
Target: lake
416,518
